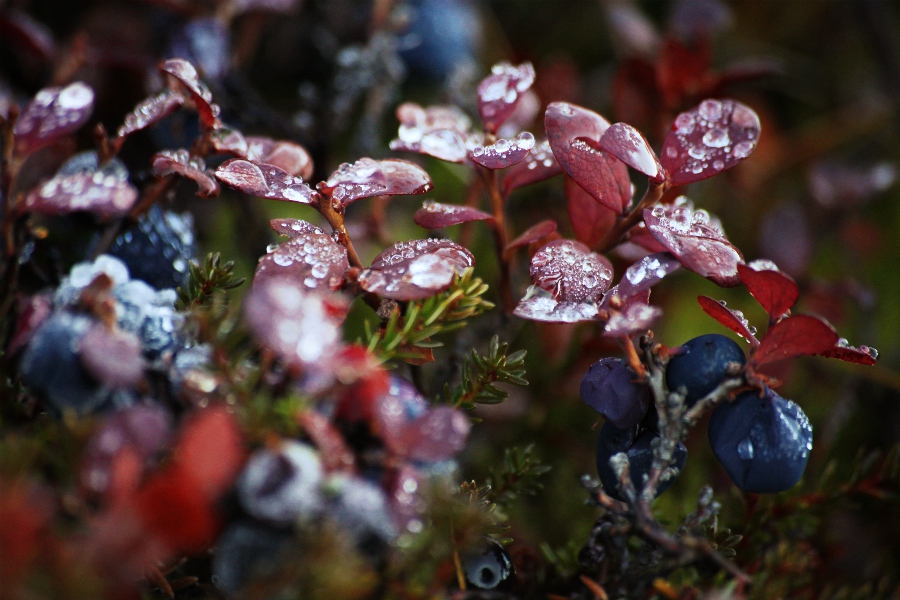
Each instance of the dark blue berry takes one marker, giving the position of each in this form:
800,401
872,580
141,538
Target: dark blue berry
609,387
281,485
488,567
360,509
442,37
702,365
763,442
247,549
158,249
638,446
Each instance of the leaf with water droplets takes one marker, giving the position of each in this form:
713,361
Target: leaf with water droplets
795,336
416,269
51,114
367,177
574,133
642,237
733,320
112,357
294,227
499,92
439,434
539,164
571,272
636,316
193,167
150,111
265,181
187,75
774,290
503,153
708,139
646,273
590,219
435,215
629,145
696,240
864,355
540,305
438,131
100,193
533,234
289,157
229,140
309,260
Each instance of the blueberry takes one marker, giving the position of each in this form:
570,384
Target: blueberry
609,388
702,365
246,549
151,315
88,162
281,485
360,509
488,567
83,273
441,38
763,442
158,249
638,446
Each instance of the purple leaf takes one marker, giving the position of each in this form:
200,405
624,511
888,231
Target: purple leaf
708,139
573,133
696,240
289,157
53,113
366,178
149,111
571,272
439,434
628,145
99,193
112,357
732,319
531,235
438,131
864,355
309,260
590,219
187,75
435,215
499,92
774,290
539,305
538,165
795,336
228,140
646,273
503,153
415,270
294,227
642,237
265,181
632,314
193,167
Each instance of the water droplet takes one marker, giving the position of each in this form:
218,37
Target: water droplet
716,138
745,449
711,109
743,149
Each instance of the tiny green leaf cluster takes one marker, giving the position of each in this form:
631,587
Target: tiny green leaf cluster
204,281
481,372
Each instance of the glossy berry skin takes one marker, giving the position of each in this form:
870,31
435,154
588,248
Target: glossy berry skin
281,485
702,365
762,442
488,567
637,445
360,508
158,249
609,388
245,549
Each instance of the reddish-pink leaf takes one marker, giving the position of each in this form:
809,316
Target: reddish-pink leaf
100,193
416,269
774,290
226,139
193,167
538,165
590,219
708,139
646,273
289,157
696,240
311,261
571,272
149,111
634,317
265,181
366,178
435,215
112,357
642,237
438,131
629,145
210,449
294,227
795,336
336,455
732,319
539,305
499,92
53,113
864,355
574,133
439,434
187,75
503,153
532,234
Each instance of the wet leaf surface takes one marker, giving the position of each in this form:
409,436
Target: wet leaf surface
732,319
795,336
53,113
228,140
863,355
312,261
289,157
539,305
367,177
193,167
500,92
590,219
775,291
149,111
187,75
416,269
99,193
539,164
503,153
534,233
571,272
265,181
630,146
435,215
439,434
708,139
438,131
646,273
636,316
294,227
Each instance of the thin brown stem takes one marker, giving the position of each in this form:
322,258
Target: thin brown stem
335,217
489,177
624,223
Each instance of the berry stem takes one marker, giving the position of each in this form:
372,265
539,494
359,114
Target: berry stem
335,217
489,177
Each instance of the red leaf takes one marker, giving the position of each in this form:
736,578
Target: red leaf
646,273
635,317
100,193
435,215
187,75
366,178
538,165
795,336
696,240
531,235
864,355
210,450
231,141
774,290
539,305
499,92
628,145
193,167
642,237
150,111
438,131
503,153
289,157
311,261
415,270
708,139
294,227
113,357
336,455
53,113
173,512
732,319
573,133
439,434
590,219
571,272
265,181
